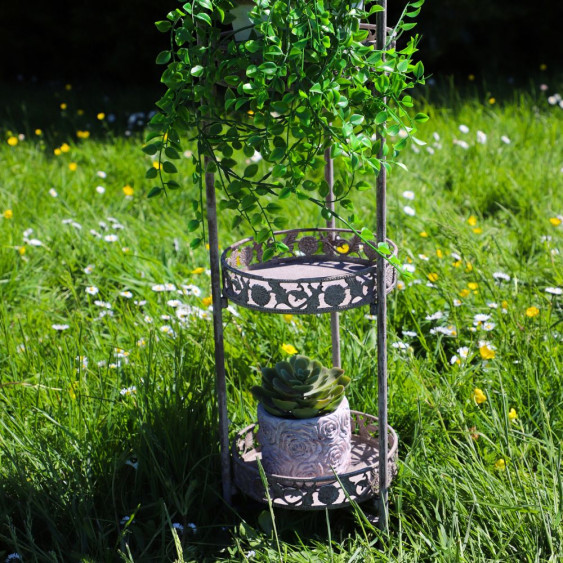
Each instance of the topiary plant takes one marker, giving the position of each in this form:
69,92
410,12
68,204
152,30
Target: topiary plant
301,388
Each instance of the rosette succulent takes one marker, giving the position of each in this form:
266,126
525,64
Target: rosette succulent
301,388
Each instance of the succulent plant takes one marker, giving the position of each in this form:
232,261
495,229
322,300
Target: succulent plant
301,388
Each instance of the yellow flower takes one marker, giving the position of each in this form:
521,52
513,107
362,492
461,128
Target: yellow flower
543,66
532,312
492,101
433,277
487,353
555,221
504,304
289,349
65,147
199,270
439,253
21,250
478,396
72,166
128,190
68,87
471,77
464,293
468,267
401,285
207,301
38,132
83,134
424,234
12,141
477,230
8,214
287,318
500,465
157,165
250,112
473,285
457,264
343,248
63,106
58,152
472,220
512,415
101,116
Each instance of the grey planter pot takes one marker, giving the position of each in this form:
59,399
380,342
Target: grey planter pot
310,447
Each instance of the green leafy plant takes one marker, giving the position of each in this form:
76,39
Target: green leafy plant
301,388
308,80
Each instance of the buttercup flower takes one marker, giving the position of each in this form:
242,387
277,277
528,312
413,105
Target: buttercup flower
532,312
487,353
512,415
207,301
472,220
73,166
500,465
8,214
478,396
128,190
197,271
12,141
555,221
289,349
433,277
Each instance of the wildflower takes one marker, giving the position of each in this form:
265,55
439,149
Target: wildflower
57,152
477,230
554,290
480,318
8,214
400,345
102,304
488,326
63,106
473,285
13,557
423,234
481,137
159,287
457,263
190,290
478,396
101,174
72,166
492,100
472,221
423,257
532,312
141,343
101,116
401,285
408,195
207,301
439,253
435,316
92,290
111,238
409,211
500,465
555,221
457,303
463,352
60,327
433,277
167,329
12,141
505,140
446,331
487,353
512,414
197,271
492,305
128,190
409,268
100,189
132,463
464,293
83,134
543,67
178,527
501,276
471,77
53,192
89,269
65,147
147,319
464,128
289,349
468,267
287,318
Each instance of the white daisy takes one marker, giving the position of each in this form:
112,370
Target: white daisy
409,210
554,290
100,189
126,294
461,144
111,238
408,195
505,140
60,327
53,192
89,269
480,318
435,316
92,290
103,304
464,128
481,137
101,174
501,276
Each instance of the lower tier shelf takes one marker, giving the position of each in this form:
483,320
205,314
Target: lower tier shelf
359,483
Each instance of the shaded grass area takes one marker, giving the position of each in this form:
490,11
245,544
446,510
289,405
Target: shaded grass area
108,427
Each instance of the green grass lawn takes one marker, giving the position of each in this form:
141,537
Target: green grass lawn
108,423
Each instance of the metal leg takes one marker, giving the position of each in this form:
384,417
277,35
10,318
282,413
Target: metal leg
218,334
334,318
381,23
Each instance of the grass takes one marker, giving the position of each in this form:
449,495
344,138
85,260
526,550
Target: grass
108,428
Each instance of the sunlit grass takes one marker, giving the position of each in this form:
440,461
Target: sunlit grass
108,432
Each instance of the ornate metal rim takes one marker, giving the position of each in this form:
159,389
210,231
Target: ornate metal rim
315,493
242,260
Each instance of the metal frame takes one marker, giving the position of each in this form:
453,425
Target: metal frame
381,311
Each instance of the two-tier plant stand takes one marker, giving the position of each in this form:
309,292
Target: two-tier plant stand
326,270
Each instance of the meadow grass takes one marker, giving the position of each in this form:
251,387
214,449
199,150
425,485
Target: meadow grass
108,422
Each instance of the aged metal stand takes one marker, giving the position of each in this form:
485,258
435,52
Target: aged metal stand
316,276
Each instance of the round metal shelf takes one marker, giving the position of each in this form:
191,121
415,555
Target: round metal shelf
359,483
324,271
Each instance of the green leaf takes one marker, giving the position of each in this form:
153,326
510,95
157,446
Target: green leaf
193,225
152,148
367,234
197,70
163,57
163,26
169,168
152,172
171,153
363,186
262,236
157,190
421,117
202,16
173,185
356,119
277,154
205,4
250,171
195,243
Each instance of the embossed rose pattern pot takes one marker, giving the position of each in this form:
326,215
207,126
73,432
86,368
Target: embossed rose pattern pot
305,447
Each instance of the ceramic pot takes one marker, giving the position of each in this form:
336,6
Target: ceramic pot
310,447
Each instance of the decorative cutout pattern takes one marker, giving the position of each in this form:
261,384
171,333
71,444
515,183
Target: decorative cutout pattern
360,481
324,270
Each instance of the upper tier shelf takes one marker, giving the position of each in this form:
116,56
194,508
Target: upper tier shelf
324,271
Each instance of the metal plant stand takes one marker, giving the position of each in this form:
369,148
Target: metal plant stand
324,271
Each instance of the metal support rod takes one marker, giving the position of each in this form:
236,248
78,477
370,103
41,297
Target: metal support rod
218,332
381,38
334,318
